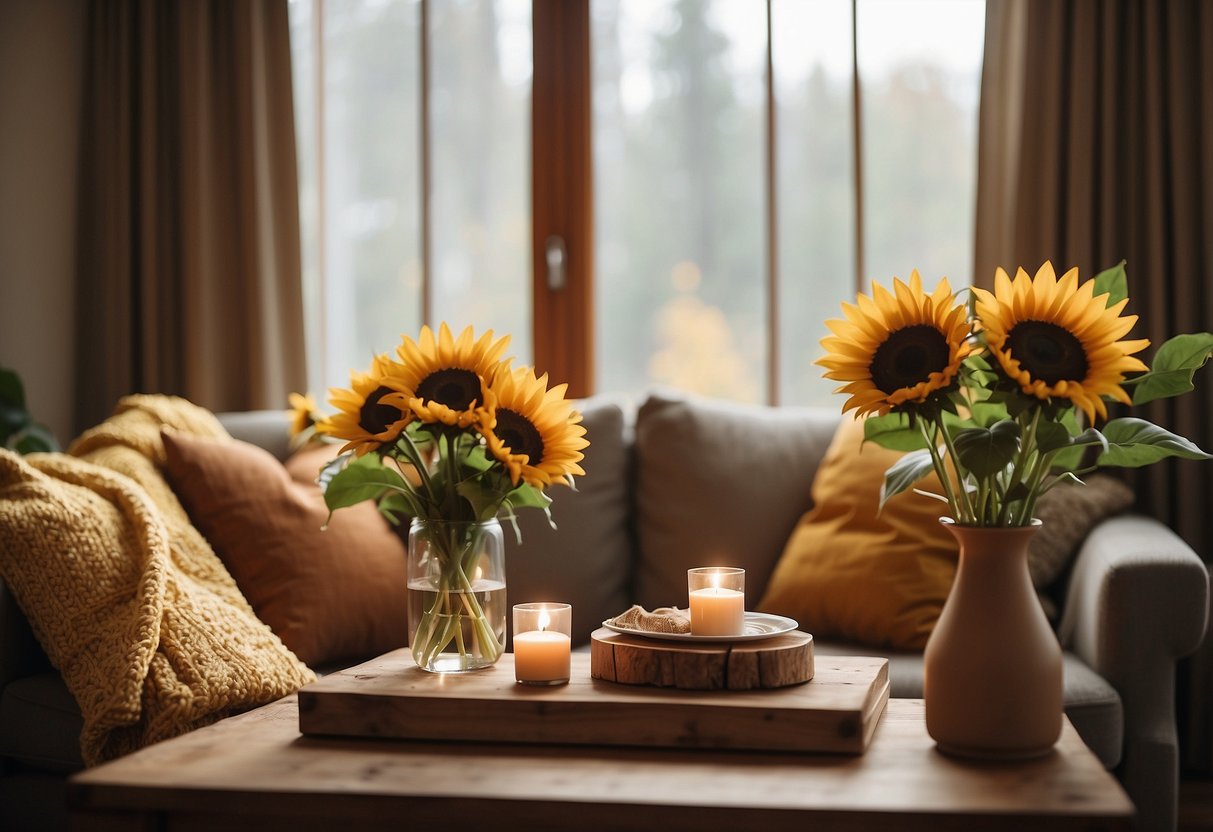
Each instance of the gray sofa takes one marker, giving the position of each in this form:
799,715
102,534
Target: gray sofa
678,482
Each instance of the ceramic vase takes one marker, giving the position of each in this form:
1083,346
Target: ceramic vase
456,594
992,679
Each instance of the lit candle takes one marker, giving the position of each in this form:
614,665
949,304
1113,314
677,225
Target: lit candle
541,656
716,609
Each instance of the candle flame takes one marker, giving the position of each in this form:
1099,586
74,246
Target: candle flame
544,620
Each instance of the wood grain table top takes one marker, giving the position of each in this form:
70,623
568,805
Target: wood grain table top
256,770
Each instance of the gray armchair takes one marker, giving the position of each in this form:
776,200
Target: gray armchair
1138,602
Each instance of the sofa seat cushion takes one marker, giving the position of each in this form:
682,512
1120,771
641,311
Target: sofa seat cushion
1093,705
40,724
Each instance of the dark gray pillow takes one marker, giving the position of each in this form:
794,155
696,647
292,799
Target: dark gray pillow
720,484
587,560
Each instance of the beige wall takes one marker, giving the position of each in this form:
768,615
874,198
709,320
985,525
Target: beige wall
41,61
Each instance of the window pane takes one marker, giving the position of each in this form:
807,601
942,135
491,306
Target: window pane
920,66
678,160
480,112
305,88
811,51
364,179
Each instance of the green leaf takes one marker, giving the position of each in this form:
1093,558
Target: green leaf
986,451
486,501
363,479
396,505
12,392
12,420
893,431
1053,436
903,473
34,439
1113,282
1174,365
1133,443
988,413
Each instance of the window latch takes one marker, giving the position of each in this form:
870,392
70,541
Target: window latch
556,256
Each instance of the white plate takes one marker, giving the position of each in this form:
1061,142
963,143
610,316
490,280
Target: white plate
758,625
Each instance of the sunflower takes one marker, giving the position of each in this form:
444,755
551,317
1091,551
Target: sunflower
367,419
444,378
303,412
1055,338
533,431
895,349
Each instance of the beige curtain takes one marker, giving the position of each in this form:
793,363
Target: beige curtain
189,263
1097,146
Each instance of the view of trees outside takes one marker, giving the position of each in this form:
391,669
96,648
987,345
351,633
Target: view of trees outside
679,161
680,203
480,88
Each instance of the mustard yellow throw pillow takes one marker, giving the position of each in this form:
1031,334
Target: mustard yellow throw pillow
850,572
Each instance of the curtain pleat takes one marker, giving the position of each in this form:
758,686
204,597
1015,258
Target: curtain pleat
189,258
1115,161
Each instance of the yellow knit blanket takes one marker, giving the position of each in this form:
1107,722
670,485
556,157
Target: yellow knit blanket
147,627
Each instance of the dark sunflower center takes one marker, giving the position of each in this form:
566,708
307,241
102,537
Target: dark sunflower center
518,434
455,387
1047,351
375,417
908,357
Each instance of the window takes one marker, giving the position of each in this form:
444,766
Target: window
730,215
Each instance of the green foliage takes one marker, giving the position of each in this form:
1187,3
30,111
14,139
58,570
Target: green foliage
1175,363
366,478
893,431
903,473
1114,283
1133,443
18,430
986,451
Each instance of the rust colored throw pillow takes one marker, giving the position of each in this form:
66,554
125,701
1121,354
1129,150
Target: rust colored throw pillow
850,572
331,595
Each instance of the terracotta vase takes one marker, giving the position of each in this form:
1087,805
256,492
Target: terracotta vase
992,669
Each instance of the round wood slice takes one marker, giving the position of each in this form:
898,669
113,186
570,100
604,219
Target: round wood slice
743,665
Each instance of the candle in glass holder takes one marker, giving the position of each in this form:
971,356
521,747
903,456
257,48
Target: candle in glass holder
717,600
542,640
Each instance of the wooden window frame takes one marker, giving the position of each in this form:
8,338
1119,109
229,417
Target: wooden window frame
562,192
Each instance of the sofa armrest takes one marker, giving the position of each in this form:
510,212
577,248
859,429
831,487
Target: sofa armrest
1137,602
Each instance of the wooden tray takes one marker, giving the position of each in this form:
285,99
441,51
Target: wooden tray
746,665
391,697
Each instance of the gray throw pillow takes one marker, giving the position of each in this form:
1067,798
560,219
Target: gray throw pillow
587,560
720,484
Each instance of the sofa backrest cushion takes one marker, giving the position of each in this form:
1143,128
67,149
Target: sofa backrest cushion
720,484
587,560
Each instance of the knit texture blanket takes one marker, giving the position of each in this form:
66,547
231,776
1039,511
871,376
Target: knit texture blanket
128,600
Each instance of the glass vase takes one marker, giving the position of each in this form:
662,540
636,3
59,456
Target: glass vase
456,580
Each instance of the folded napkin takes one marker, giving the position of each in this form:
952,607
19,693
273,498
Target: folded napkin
660,620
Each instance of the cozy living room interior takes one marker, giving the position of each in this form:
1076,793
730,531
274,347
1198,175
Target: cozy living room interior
233,236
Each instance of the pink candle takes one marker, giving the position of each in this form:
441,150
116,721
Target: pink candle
716,611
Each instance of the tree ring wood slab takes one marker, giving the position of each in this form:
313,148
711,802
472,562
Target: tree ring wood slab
744,665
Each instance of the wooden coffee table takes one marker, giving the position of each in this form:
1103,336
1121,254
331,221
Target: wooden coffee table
256,771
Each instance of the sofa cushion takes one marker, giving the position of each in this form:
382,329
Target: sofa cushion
857,571
330,595
587,560
1093,705
719,484
40,723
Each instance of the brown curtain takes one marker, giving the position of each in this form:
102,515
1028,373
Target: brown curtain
1109,127
189,259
